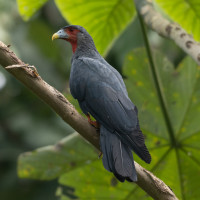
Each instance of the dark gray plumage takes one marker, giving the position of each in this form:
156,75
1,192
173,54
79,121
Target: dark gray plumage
117,157
101,92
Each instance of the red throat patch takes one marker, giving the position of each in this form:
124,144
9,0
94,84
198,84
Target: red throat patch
74,45
72,38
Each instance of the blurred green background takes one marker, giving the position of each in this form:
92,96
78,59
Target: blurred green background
26,123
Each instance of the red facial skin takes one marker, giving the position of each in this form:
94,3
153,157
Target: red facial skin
72,37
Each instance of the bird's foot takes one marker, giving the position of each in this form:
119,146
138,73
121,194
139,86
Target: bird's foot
93,123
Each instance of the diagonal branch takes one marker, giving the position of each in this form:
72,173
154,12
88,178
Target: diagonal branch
28,75
168,29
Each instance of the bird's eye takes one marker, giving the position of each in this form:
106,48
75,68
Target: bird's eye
71,30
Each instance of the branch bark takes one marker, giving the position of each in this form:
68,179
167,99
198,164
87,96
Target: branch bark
168,29
28,75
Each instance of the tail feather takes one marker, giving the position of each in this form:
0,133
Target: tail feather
137,145
105,148
117,157
135,141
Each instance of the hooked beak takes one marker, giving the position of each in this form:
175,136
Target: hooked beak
61,34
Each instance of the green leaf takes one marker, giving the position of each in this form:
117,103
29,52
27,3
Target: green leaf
186,13
51,161
180,90
104,20
28,7
94,182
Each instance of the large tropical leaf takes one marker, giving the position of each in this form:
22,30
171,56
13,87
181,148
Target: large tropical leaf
186,13
177,164
51,161
180,90
103,19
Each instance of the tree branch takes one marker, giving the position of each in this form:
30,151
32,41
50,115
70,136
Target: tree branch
167,29
28,75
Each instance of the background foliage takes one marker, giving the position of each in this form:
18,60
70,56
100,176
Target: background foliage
26,123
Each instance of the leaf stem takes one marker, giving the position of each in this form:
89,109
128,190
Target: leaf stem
157,86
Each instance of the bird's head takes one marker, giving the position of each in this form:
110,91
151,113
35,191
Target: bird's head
73,34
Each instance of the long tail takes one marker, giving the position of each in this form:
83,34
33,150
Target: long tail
117,156
135,141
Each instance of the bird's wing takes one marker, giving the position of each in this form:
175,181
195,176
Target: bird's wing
107,102
107,106
105,96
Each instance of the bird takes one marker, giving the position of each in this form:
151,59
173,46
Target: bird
102,94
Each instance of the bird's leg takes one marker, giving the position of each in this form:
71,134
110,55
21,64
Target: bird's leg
93,123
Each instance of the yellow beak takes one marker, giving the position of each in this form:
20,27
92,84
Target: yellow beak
55,36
